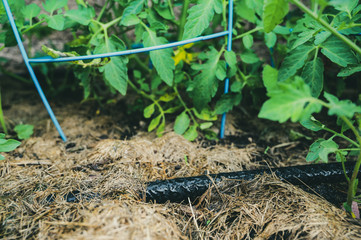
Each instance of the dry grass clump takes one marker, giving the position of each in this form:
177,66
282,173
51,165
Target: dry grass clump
125,220
167,157
267,208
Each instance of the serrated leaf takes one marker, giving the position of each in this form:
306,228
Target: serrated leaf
273,13
303,37
205,83
133,8
30,11
199,18
116,71
294,61
149,110
154,123
206,114
231,60
167,97
321,37
344,5
221,71
249,57
82,15
270,39
191,134
181,123
160,129
312,124
291,100
52,5
130,20
24,131
338,52
247,41
348,71
245,12
161,59
227,102
341,107
313,75
56,22
269,76
320,150
8,145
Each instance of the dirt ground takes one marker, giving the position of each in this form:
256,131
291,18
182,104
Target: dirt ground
109,154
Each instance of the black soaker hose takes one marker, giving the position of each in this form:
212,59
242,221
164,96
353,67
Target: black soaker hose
180,189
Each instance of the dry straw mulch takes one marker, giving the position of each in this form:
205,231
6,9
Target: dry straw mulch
109,175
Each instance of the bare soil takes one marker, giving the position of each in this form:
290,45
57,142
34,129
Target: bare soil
111,154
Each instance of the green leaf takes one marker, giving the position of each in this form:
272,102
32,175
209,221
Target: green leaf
344,5
134,8
149,110
227,102
116,71
321,37
205,125
167,97
82,15
191,134
291,100
294,61
181,123
205,115
8,145
30,11
24,131
269,76
338,52
273,13
320,150
245,12
221,71
56,22
231,60
130,20
247,41
161,59
303,37
154,123
52,5
313,75
249,57
312,124
341,107
270,39
348,71
205,83
200,16
2,157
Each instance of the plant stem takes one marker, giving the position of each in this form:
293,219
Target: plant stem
341,136
305,9
33,26
183,19
350,192
247,33
171,7
2,120
189,111
102,11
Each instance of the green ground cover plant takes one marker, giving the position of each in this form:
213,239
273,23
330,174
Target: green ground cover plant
281,47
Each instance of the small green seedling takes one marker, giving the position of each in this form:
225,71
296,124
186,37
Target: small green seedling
24,131
7,145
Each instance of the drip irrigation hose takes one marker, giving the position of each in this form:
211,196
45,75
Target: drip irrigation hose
180,189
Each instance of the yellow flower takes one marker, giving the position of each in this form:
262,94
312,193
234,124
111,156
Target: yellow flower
181,54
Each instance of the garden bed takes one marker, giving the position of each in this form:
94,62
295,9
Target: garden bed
109,154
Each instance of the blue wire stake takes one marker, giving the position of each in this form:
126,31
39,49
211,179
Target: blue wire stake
30,69
229,48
